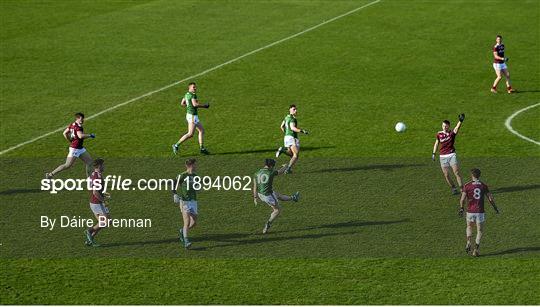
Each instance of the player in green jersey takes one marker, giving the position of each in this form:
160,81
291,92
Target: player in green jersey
263,190
291,146
192,105
187,199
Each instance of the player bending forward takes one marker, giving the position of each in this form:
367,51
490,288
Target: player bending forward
75,135
474,192
187,200
263,190
97,202
291,142
447,152
192,117
499,64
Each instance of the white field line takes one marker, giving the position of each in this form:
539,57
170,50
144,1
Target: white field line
508,123
196,75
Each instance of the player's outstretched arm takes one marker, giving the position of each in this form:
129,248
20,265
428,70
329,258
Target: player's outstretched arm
435,147
298,130
85,135
196,104
461,118
492,202
462,203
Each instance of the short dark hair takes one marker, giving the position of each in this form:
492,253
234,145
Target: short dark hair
446,121
476,173
98,162
292,106
191,83
269,162
190,162
79,115
499,36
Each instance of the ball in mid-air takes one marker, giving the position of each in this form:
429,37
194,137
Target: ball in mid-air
400,127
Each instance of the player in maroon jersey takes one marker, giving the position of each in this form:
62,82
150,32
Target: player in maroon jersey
75,135
474,192
97,202
447,152
499,64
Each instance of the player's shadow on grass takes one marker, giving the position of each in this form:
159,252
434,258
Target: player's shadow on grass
382,167
516,188
142,243
230,241
514,251
19,191
269,150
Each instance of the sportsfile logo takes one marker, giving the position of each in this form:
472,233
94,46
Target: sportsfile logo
118,183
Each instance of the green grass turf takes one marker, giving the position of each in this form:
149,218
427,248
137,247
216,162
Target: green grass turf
376,224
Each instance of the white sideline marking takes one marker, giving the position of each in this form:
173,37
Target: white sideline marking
508,124
196,75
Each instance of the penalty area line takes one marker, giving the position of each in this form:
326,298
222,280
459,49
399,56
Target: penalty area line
196,75
508,123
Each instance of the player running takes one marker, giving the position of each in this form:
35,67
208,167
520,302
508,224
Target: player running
97,202
263,190
291,146
187,200
474,192
192,105
447,152
75,135
499,64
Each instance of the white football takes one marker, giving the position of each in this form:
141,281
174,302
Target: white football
400,127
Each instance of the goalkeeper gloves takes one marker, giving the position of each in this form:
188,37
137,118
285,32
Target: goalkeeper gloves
506,59
460,212
433,157
92,135
176,198
304,131
461,117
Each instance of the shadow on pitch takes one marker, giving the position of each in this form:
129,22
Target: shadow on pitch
141,243
19,191
381,167
270,238
517,188
268,150
514,251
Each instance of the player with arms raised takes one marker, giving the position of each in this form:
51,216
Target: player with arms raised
192,105
97,202
263,190
499,64
474,193
447,152
291,146
187,200
75,135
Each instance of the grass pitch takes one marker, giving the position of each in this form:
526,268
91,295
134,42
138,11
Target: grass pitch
376,224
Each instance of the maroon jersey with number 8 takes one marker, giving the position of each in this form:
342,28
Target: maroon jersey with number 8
76,142
475,191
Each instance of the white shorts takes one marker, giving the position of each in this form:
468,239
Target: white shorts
99,209
475,217
289,141
270,200
189,206
448,160
76,152
190,118
499,66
